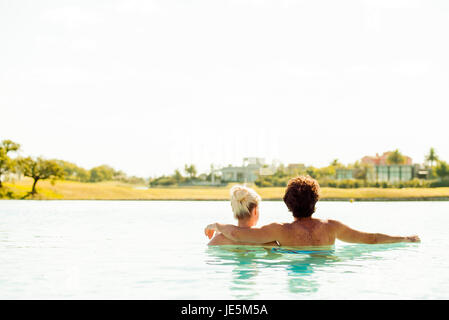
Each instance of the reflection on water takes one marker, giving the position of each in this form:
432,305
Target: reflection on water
297,265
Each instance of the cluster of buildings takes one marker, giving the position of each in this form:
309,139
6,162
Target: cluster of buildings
253,168
377,166
249,171
378,169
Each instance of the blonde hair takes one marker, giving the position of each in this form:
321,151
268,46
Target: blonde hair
243,200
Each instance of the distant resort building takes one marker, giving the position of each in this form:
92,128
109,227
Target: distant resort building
378,160
248,172
380,171
344,174
391,173
253,168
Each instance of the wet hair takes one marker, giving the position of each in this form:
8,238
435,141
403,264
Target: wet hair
301,195
243,201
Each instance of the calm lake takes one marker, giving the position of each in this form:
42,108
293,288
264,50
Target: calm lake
157,250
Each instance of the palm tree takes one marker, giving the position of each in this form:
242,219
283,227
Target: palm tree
335,163
432,157
190,170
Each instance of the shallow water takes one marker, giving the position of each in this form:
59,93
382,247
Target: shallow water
157,250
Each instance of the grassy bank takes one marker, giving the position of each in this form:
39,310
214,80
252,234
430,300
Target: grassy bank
69,190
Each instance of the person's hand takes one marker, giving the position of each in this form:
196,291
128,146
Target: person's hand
210,230
413,239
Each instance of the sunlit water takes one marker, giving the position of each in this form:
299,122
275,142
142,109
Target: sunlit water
157,250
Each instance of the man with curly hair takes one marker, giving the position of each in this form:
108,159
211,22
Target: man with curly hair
301,195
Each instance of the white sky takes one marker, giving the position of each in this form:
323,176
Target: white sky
147,86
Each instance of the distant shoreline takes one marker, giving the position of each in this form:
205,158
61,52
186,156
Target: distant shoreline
71,190
270,200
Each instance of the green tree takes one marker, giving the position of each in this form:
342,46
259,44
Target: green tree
119,175
73,172
325,172
442,170
395,157
101,173
361,170
281,169
190,170
178,176
6,163
40,169
82,174
312,171
162,181
432,157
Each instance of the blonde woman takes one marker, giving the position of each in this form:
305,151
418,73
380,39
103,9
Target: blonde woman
245,206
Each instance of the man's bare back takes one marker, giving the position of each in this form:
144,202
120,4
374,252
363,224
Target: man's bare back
310,232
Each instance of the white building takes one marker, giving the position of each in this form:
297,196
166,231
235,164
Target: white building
248,172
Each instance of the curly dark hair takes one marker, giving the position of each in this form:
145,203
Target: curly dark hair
301,195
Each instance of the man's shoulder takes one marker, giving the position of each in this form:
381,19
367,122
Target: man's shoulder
324,220
277,225
332,223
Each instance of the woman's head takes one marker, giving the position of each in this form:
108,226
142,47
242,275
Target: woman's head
244,202
301,196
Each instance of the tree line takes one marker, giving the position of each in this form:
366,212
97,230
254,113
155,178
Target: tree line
53,169
42,169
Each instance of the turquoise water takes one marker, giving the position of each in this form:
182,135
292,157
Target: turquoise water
157,250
